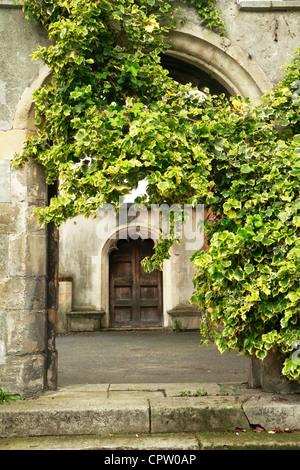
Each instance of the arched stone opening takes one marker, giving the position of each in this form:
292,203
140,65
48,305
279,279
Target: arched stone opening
30,365
228,66
142,231
185,72
135,296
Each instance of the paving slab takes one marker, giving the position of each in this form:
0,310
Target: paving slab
168,389
185,414
69,415
135,442
270,411
249,441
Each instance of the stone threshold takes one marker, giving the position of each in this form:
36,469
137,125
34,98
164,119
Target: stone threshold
10,4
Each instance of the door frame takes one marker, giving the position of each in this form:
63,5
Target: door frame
145,231
137,281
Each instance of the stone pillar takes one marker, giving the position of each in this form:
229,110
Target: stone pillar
52,299
64,304
266,374
23,249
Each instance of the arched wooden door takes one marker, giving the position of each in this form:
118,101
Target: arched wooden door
135,296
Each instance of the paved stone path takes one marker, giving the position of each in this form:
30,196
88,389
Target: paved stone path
145,357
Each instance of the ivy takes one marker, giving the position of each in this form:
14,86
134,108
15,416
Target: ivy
110,108
112,116
248,279
211,16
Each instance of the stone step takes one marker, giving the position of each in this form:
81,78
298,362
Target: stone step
164,443
145,408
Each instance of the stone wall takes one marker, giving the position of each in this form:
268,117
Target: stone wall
23,243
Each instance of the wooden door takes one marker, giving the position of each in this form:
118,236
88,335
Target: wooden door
135,296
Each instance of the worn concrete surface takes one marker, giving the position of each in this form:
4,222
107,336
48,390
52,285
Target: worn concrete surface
204,408
145,356
179,442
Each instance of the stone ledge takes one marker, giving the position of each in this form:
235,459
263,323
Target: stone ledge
86,312
266,5
185,317
10,4
85,320
185,311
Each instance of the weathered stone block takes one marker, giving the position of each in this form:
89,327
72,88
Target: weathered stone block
27,254
196,415
2,337
89,415
3,255
36,184
17,254
266,374
11,293
4,181
23,293
35,293
23,374
18,184
32,224
187,316
11,142
25,331
274,411
10,218
36,259
85,320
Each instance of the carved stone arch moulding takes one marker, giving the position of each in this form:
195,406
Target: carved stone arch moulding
230,65
24,116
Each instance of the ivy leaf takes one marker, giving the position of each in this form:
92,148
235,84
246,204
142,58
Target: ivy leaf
249,268
246,168
238,274
163,186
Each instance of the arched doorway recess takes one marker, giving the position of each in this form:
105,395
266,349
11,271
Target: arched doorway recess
227,65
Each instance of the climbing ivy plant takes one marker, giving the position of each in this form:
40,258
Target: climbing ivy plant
112,116
248,279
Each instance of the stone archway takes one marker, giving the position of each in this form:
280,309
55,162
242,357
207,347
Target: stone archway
227,65
28,362
110,245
